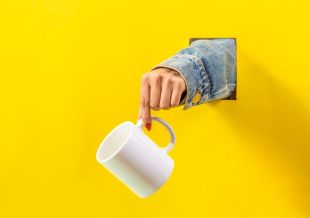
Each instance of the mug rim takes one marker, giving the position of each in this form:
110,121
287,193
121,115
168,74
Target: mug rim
109,135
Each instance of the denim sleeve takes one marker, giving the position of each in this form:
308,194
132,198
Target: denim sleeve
208,67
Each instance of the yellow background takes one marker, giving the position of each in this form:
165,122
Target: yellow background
70,72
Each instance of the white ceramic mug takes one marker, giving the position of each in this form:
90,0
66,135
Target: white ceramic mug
130,155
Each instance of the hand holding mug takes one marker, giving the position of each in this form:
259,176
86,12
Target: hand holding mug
161,88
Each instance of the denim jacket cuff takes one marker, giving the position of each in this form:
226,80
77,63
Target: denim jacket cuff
194,74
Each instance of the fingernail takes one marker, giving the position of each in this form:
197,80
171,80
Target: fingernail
148,126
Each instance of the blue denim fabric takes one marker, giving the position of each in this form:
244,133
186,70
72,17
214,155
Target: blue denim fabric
208,66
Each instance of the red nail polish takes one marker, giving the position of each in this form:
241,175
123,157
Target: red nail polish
148,126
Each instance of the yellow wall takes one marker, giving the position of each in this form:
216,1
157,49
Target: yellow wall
70,71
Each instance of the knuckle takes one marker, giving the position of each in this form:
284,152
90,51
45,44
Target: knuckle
169,80
144,100
174,104
154,105
145,103
180,84
145,78
177,90
166,107
156,78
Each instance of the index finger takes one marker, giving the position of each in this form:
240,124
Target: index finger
145,110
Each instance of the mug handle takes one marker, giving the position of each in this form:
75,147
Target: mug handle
167,126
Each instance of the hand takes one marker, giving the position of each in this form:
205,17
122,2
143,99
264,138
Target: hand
161,88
